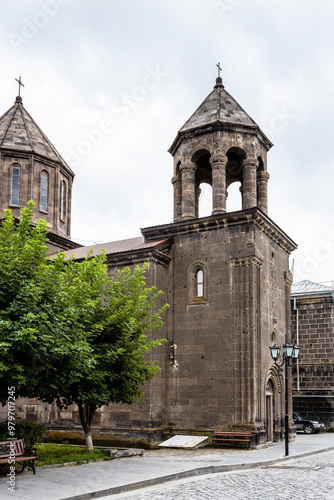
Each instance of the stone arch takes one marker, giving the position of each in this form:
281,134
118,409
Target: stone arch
203,173
274,336
234,172
194,296
274,402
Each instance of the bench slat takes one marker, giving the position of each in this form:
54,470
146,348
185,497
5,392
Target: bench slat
231,437
18,454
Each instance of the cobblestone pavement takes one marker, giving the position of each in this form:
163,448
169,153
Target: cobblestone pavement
310,478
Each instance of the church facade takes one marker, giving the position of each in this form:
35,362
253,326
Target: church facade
225,276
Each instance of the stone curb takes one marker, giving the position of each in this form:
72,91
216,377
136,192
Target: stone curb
199,471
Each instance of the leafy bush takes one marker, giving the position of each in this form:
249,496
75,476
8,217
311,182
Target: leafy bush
31,432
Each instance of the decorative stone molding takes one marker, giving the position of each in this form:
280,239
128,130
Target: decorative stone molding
218,161
246,261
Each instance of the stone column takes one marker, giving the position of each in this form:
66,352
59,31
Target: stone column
188,190
218,164
262,191
197,195
246,309
177,186
249,185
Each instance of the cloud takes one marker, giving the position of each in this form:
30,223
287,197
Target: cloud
86,56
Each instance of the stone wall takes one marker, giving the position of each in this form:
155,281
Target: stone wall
315,372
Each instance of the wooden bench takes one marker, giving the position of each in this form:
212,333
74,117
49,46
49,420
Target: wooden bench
232,437
12,452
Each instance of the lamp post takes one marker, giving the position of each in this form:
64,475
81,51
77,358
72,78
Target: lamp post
289,356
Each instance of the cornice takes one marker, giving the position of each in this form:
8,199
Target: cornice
213,222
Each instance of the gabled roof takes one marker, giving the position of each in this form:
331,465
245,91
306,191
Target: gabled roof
19,132
117,247
309,287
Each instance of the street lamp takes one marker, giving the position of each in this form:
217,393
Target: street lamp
288,358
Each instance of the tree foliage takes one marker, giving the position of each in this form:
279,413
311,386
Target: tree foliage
68,332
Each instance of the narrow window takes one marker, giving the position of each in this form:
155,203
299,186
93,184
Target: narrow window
44,192
62,200
15,199
200,283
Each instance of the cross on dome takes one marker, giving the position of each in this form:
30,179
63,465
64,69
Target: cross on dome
20,84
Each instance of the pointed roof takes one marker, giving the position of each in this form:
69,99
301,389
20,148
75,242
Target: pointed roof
19,132
218,109
221,107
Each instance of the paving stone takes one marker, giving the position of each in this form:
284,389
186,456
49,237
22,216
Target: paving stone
310,478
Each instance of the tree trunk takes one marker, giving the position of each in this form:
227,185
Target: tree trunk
89,440
86,414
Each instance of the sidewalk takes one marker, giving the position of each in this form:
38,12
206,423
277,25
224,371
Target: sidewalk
105,478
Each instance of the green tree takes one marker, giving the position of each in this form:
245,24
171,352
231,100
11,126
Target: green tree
68,332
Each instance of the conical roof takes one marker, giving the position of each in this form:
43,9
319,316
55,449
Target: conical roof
19,132
221,107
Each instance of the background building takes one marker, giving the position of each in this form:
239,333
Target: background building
312,312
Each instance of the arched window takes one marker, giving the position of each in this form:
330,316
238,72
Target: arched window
15,194
44,191
62,200
200,284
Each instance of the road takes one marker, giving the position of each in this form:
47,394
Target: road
309,478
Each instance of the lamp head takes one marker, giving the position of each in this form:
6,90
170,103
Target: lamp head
275,351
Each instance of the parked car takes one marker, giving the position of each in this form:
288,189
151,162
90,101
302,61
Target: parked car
307,424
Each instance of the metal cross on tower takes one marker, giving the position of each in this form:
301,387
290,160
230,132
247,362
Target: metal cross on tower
20,84
219,69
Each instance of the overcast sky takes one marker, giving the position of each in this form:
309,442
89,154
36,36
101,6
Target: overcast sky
111,82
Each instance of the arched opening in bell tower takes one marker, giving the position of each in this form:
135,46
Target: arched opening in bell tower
234,179
203,183
234,197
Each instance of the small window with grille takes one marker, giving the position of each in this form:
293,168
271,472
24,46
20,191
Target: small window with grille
15,192
62,200
43,203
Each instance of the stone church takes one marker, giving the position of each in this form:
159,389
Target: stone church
225,276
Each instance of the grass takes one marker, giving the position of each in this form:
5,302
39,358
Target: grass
52,453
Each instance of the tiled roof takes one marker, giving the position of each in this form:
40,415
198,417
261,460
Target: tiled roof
219,106
307,287
18,131
116,247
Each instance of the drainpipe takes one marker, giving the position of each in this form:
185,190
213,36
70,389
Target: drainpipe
295,308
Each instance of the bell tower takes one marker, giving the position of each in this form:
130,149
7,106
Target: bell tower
220,144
